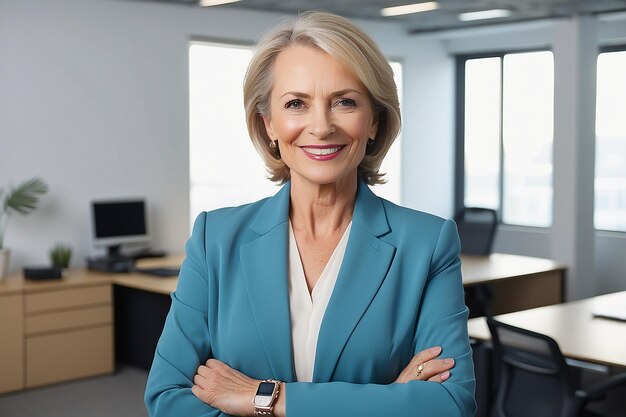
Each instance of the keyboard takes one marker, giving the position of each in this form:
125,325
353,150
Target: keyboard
159,272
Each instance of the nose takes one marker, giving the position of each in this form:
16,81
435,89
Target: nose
321,123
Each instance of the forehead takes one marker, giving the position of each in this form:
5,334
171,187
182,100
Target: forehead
308,67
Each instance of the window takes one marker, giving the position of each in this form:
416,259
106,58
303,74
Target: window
610,165
505,135
224,168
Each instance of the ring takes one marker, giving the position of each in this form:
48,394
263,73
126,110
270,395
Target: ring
420,368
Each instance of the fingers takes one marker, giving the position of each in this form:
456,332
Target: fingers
440,377
432,368
425,367
427,354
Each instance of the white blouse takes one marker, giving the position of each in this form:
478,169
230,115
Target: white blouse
307,311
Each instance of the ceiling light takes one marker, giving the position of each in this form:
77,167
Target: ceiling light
207,3
410,8
485,14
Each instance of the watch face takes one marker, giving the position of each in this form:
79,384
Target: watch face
265,388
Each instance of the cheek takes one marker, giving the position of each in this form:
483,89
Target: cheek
360,128
287,127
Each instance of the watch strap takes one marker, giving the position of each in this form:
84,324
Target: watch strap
269,410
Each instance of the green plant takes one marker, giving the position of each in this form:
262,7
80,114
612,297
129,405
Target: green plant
60,255
22,199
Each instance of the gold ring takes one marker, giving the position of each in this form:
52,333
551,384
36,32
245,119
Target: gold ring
420,368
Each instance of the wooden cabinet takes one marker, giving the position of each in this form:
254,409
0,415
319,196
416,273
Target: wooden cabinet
11,342
68,334
55,331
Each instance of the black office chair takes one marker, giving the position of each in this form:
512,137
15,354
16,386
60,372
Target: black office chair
477,229
533,379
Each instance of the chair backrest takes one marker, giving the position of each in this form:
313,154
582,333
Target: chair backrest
532,377
477,228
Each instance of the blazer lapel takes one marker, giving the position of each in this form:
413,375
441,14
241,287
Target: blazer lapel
364,267
264,264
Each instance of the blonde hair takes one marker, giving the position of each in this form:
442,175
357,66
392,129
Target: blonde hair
345,42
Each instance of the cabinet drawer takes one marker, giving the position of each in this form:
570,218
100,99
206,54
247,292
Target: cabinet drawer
70,319
69,355
68,298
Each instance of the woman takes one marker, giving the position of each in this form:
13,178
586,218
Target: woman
315,302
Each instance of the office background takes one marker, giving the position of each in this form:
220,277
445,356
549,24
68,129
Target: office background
94,99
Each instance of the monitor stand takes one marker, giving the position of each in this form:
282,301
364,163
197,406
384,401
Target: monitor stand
113,252
113,261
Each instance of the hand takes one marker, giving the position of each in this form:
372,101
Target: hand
225,388
437,370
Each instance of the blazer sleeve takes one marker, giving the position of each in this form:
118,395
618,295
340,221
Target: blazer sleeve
442,322
185,342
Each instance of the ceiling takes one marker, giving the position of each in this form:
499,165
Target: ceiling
446,17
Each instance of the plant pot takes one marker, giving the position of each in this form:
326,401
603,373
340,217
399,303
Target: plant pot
4,262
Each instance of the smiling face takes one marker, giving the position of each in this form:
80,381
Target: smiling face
321,115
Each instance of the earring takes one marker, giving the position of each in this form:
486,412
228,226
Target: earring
370,142
274,148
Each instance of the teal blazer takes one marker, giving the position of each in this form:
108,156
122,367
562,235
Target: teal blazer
398,292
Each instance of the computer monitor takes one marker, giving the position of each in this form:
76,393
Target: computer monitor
117,222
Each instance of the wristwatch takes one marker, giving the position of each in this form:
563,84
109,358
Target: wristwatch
265,397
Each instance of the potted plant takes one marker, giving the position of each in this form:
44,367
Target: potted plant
60,256
22,199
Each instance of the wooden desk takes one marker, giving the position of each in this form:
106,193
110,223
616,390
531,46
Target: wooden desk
145,282
580,335
517,282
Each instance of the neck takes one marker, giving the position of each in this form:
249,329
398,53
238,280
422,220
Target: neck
321,209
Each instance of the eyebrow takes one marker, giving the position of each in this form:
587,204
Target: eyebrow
335,94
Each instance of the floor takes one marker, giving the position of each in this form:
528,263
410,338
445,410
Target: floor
119,395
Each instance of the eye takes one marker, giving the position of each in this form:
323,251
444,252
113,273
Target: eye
345,102
295,104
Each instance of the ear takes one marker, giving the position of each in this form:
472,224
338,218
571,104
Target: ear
269,127
374,126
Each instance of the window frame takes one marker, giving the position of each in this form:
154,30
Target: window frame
459,133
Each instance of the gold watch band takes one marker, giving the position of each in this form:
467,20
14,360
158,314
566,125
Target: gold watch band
269,409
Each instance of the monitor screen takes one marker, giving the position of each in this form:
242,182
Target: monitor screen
117,222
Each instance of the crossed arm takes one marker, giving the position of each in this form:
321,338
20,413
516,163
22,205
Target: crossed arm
230,391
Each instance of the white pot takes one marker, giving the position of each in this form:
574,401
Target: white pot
4,262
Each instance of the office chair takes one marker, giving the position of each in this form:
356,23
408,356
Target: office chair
533,379
477,228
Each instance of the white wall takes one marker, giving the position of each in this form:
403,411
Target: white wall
93,98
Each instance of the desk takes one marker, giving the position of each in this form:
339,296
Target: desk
578,333
142,302
516,282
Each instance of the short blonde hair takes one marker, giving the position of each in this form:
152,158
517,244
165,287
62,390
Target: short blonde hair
345,42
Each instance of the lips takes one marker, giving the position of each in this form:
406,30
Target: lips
322,153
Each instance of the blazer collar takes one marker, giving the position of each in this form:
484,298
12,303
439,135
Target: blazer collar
265,268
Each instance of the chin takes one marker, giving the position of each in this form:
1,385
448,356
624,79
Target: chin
326,178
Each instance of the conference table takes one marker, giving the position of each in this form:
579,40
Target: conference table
580,334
